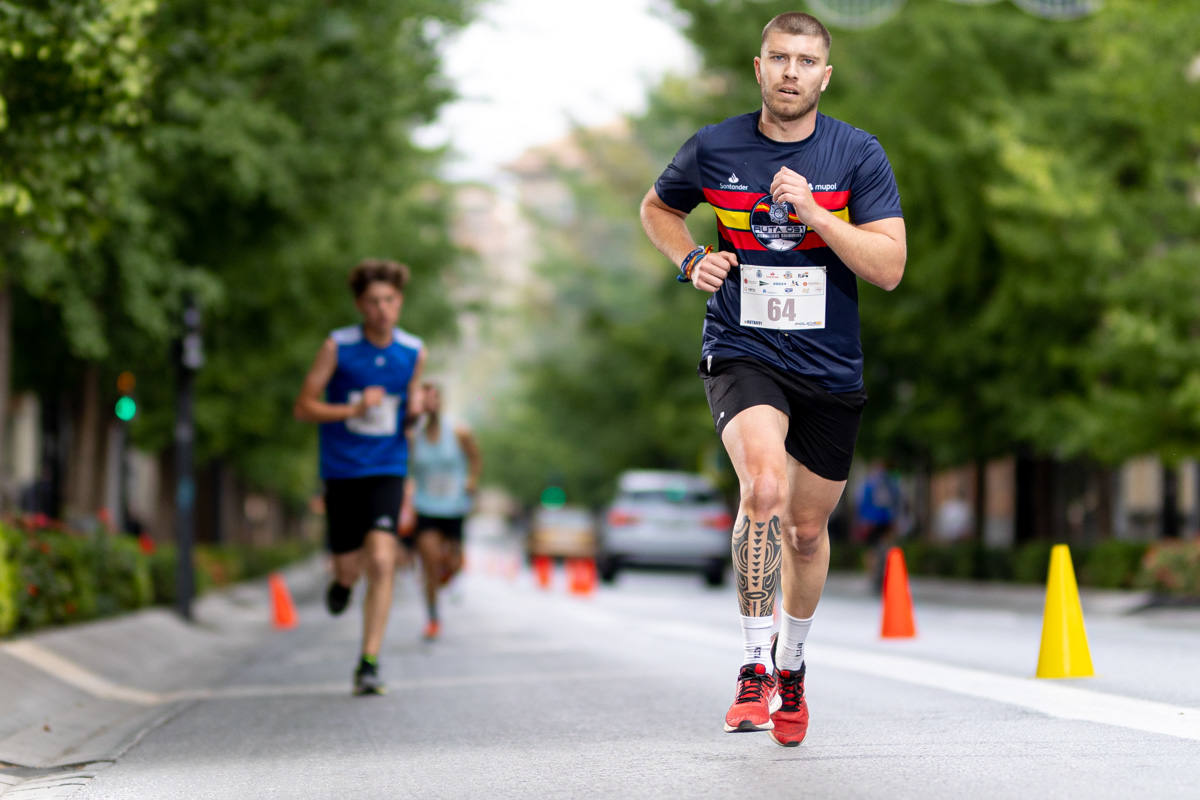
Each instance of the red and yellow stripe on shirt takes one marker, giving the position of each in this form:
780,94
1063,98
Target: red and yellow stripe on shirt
734,209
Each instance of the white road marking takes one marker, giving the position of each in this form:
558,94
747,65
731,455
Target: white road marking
69,672
1044,696
414,684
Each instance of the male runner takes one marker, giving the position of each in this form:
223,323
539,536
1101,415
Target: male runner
446,464
805,205
369,374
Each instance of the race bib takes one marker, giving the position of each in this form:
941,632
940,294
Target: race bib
379,420
783,298
442,484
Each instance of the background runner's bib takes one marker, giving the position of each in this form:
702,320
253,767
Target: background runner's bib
783,298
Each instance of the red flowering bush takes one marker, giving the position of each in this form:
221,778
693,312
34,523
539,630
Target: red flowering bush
1172,567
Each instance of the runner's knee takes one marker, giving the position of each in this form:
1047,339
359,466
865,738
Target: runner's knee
804,539
380,563
763,493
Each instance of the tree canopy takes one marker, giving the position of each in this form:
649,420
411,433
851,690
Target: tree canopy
247,155
1048,174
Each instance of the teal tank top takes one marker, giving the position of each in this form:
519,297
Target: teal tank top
440,471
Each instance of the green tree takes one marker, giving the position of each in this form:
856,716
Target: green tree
245,155
75,235
282,154
611,382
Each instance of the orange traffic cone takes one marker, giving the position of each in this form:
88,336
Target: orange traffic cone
283,612
581,574
543,569
897,602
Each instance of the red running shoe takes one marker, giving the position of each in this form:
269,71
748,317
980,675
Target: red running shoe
752,706
791,719
432,631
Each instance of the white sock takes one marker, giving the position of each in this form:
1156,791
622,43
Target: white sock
789,649
756,638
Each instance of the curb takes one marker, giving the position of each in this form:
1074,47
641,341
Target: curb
995,594
85,693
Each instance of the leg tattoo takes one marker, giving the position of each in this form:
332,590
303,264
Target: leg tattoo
757,554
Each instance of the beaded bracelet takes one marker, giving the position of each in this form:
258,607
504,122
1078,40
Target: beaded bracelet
689,263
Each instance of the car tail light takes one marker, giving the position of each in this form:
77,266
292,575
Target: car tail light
618,518
723,520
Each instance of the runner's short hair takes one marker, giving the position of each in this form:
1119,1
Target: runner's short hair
370,270
797,23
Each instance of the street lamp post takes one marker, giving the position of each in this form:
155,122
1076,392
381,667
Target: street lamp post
191,357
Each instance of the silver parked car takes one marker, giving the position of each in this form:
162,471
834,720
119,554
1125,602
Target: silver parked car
665,519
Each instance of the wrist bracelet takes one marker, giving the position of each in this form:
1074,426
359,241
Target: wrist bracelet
689,263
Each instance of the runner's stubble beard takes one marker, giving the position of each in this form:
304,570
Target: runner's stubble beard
805,102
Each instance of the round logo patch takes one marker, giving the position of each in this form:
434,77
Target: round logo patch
775,224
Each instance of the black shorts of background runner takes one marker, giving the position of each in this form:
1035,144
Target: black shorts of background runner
822,426
449,527
354,506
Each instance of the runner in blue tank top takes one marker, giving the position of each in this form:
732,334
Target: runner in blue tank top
806,205
368,374
446,464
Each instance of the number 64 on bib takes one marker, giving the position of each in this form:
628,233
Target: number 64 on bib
787,298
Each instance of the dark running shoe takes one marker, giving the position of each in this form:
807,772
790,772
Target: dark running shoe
367,680
337,597
791,719
752,705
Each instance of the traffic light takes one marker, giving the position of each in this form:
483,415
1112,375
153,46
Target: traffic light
126,407
554,497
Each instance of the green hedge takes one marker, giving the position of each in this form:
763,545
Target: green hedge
52,576
9,585
1111,564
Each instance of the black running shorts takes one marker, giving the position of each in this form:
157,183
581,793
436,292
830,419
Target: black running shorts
822,425
449,527
354,506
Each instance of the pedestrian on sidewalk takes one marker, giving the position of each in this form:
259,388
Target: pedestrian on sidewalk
368,375
878,508
446,464
806,205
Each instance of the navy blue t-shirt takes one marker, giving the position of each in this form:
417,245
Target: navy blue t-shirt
730,166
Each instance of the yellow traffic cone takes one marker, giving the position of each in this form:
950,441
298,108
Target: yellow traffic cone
1064,652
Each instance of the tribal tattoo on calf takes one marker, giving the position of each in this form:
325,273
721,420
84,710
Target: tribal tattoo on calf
757,554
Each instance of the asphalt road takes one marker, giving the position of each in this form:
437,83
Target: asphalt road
547,694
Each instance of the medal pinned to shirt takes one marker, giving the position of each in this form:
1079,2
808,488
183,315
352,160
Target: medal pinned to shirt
783,298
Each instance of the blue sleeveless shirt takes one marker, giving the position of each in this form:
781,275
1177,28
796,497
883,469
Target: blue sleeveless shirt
373,444
440,469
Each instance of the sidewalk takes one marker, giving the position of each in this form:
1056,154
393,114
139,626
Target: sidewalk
85,693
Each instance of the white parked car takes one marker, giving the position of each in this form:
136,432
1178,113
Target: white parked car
666,519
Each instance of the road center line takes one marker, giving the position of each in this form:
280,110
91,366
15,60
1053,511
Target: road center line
1044,696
